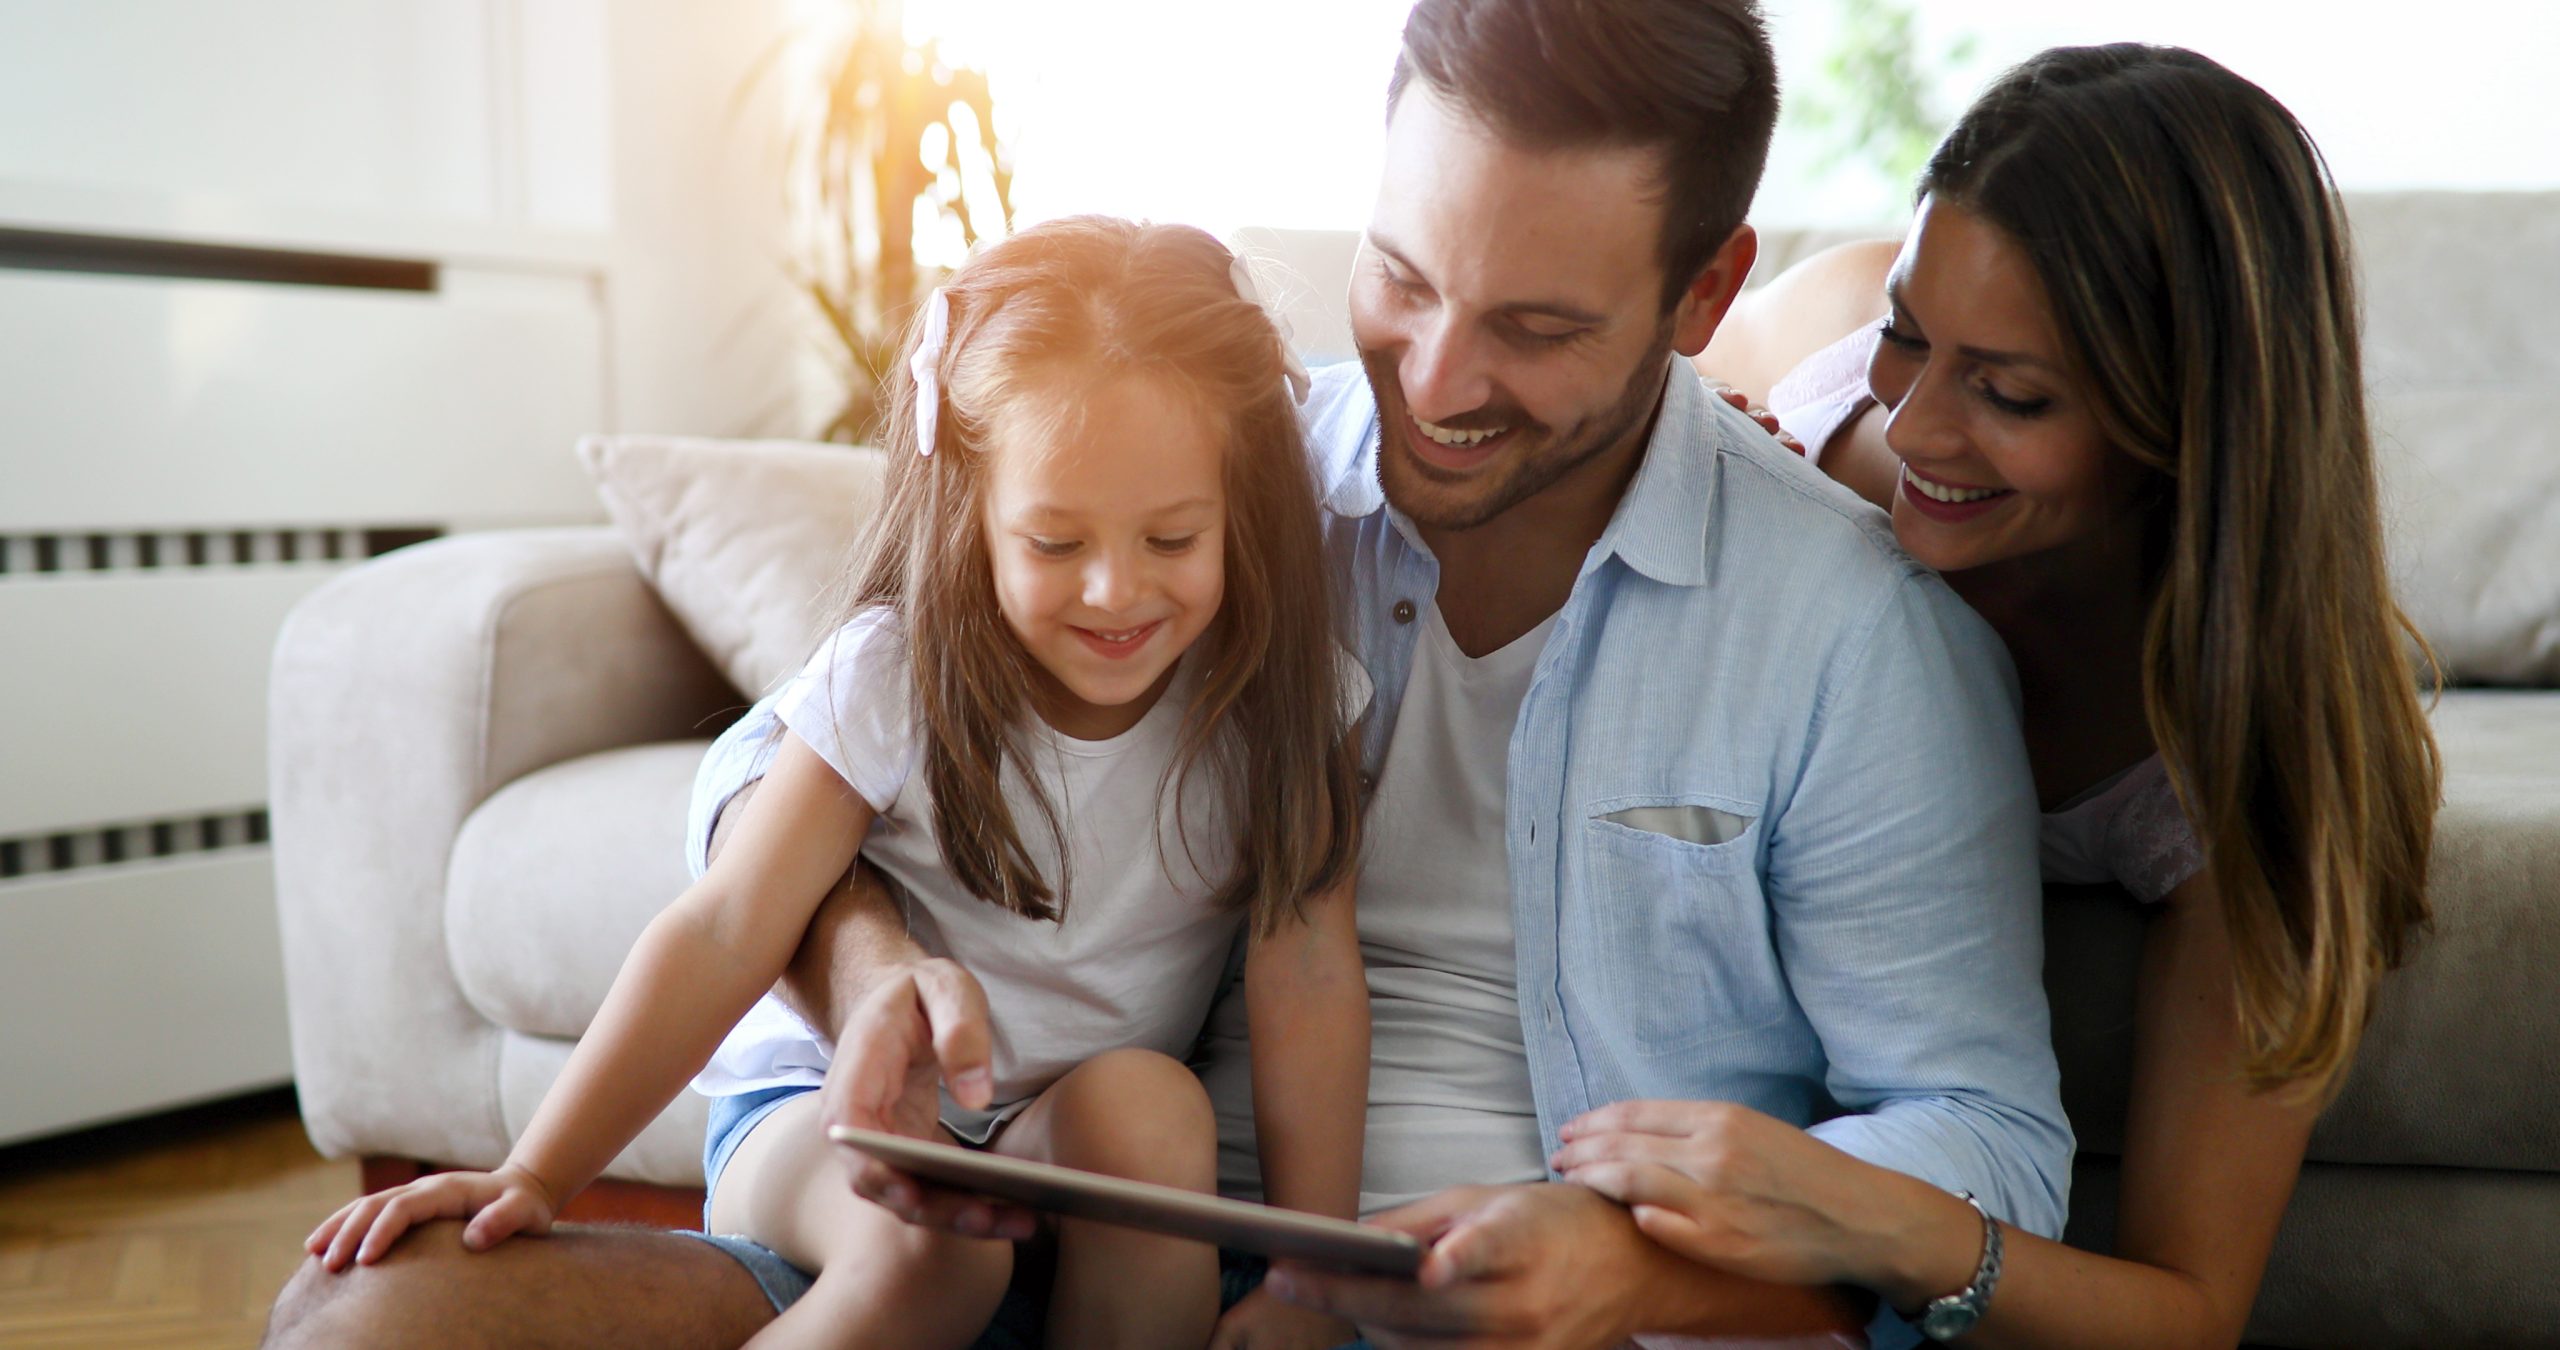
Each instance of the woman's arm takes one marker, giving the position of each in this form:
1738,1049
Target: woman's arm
1772,329
2209,1165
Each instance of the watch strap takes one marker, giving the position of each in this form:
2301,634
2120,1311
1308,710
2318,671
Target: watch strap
1953,1315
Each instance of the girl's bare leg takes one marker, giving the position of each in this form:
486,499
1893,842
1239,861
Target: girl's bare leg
1140,1115
881,1281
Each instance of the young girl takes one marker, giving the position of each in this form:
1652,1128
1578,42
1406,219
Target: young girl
1088,714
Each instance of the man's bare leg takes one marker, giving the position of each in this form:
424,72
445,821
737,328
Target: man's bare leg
581,1286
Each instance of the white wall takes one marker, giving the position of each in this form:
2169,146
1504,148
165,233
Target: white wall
1236,114
182,458
617,145
709,336
2451,94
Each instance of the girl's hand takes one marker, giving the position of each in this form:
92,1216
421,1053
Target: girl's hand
1768,420
498,1204
921,1026
1731,1188
1264,1322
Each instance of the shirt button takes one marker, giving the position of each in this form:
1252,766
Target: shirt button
1404,611
1368,781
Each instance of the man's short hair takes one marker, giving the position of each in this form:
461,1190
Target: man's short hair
1693,78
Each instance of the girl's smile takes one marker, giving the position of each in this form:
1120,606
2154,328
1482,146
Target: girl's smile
1107,537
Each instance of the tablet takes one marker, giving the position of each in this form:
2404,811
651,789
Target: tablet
1138,1204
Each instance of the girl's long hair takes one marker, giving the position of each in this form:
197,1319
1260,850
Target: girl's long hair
2194,249
1036,321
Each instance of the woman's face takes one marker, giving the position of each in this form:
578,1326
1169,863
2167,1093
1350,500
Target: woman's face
2001,453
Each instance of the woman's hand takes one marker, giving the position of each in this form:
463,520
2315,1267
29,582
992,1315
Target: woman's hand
1768,420
1263,1322
1732,1188
499,1205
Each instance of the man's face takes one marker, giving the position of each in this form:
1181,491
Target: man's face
1507,306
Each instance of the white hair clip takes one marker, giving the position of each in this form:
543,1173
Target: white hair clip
1241,273
925,363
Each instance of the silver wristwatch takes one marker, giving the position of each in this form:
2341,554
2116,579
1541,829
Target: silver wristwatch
1954,1315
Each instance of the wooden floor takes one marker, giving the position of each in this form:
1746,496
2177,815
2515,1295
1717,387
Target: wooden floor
171,1232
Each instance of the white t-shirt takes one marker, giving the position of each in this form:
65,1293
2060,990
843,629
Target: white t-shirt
1137,956
1449,1096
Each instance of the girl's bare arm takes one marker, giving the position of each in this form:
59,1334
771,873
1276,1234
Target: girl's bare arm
1307,1010
696,969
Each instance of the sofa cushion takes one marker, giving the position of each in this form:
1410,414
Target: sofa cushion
744,540
2461,1067
554,876
2462,363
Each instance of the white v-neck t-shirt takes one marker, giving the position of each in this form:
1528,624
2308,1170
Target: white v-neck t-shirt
1449,1097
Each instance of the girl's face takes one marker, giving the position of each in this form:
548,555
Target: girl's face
1109,548
2000,449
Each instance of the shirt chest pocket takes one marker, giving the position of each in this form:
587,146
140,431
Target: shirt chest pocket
1671,907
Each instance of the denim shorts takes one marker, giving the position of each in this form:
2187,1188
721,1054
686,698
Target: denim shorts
1018,1319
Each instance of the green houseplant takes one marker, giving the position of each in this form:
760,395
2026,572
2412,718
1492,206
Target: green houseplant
883,134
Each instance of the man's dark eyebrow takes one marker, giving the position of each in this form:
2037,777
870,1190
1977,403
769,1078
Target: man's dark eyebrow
1986,355
1554,309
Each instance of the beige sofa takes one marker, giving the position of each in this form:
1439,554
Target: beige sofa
483,748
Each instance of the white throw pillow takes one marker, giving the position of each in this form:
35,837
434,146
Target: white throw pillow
746,541
2460,342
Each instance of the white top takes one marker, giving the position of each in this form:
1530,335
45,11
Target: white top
1449,1097
1137,956
2129,830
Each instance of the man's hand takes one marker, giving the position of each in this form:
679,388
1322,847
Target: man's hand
1547,1267
919,1025
1262,1321
1556,1267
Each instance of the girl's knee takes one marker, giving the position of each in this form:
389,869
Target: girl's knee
1137,1114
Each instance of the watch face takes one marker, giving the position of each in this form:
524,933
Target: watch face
1947,1319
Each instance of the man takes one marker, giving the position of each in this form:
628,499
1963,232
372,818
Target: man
1687,784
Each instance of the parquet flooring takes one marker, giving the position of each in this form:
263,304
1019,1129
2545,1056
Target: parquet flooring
175,1232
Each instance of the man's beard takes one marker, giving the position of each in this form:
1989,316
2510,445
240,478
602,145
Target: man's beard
1538,458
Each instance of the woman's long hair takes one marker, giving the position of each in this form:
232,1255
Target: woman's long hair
1036,322
2196,255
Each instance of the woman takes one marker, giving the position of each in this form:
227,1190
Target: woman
2114,397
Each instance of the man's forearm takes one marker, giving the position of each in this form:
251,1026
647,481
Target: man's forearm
1697,1300
858,933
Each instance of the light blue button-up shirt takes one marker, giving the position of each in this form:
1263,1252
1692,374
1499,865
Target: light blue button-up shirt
1857,946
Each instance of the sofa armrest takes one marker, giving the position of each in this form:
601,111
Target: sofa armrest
404,693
